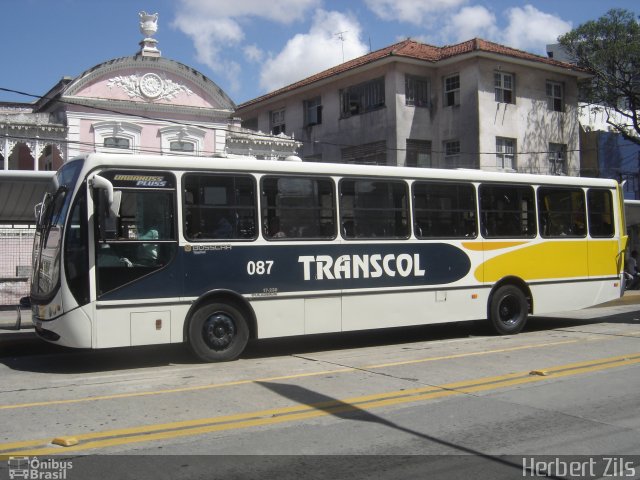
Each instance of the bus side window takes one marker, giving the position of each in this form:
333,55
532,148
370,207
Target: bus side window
507,211
374,208
562,212
444,210
600,206
298,208
219,207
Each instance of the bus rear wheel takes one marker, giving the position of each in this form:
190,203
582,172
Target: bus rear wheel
218,332
508,310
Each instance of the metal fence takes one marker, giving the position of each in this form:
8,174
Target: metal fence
16,244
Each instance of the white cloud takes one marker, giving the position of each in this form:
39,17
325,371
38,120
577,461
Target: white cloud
309,53
471,22
450,21
282,11
253,53
216,25
530,29
411,11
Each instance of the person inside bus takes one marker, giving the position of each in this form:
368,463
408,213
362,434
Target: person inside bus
108,257
631,270
148,252
274,230
223,228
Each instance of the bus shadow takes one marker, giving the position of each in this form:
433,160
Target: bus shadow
541,323
424,333
23,351
26,352
308,344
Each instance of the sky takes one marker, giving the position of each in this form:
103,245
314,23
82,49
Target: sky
251,47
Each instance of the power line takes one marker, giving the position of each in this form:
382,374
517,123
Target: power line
257,133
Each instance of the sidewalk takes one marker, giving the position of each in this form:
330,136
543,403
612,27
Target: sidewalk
630,297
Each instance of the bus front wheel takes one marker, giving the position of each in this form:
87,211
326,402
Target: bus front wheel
218,332
508,310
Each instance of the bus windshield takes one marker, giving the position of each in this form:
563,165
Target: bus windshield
48,238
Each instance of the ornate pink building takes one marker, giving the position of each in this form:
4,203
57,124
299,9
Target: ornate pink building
138,104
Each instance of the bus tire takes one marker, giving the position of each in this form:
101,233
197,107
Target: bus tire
218,332
508,310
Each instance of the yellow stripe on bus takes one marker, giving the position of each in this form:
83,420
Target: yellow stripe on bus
553,260
483,246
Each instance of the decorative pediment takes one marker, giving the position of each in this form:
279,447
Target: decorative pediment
149,81
149,86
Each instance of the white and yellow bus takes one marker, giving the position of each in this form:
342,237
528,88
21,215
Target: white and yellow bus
135,250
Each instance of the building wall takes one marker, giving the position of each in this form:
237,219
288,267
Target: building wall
529,119
475,122
326,140
414,122
83,135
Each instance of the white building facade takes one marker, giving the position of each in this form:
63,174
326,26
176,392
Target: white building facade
472,105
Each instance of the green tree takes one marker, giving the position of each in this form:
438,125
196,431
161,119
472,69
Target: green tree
609,48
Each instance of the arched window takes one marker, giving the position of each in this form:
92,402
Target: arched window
181,146
117,142
117,137
182,140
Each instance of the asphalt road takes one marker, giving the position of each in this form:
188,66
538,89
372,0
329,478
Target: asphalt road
443,401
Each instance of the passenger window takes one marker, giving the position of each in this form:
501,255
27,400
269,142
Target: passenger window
444,210
600,206
562,212
507,211
219,207
298,208
374,209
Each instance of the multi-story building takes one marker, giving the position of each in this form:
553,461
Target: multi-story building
475,104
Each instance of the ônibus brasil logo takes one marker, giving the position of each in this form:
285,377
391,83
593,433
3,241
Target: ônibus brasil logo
38,469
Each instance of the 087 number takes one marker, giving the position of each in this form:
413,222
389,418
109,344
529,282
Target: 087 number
260,267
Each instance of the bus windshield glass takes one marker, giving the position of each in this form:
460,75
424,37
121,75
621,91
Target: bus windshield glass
48,237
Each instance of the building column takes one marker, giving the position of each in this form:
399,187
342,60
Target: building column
4,152
36,167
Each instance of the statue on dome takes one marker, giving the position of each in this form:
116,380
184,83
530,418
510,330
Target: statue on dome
149,27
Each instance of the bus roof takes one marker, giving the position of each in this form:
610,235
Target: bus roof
20,191
250,164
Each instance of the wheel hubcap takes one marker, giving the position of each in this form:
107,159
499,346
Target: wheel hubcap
218,331
509,310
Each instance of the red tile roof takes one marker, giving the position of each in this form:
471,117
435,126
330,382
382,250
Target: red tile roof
420,51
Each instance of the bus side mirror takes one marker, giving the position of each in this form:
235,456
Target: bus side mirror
112,198
37,210
108,206
114,207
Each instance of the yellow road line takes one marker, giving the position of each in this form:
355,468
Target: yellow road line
473,354
195,388
165,431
